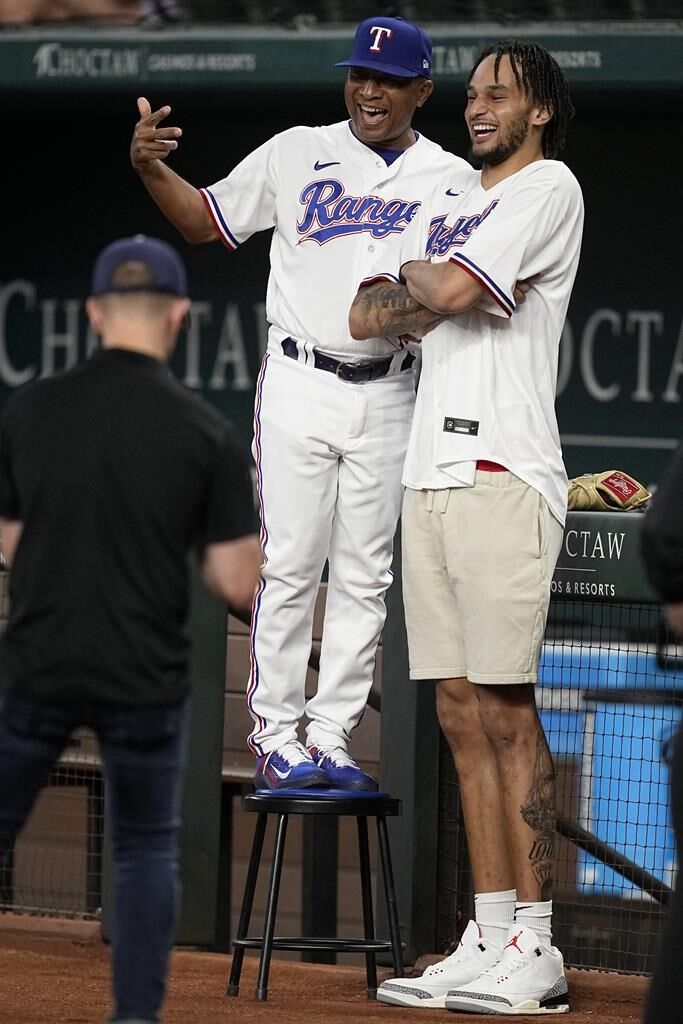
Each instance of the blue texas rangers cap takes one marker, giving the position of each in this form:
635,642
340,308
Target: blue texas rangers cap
391,45
139,264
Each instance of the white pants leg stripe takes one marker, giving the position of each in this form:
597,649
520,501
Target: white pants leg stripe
256,605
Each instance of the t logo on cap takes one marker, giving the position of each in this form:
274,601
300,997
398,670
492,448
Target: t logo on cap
379,30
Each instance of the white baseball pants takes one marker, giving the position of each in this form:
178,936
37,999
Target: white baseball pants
329,458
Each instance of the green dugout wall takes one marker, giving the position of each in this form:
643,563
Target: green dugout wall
69,106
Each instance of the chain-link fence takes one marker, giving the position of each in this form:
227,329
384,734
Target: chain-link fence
609,695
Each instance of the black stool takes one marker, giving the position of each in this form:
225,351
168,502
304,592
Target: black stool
332,802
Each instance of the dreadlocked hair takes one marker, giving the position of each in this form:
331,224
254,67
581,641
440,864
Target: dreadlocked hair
539,74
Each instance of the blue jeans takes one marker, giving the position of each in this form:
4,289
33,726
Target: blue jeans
143,753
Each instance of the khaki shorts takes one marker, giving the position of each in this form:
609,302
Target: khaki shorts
477,567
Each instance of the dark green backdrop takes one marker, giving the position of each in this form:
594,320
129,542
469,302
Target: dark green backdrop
69,189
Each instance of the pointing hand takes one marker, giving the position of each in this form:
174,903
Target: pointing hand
150,142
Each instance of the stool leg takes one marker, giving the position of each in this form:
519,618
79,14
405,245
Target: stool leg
390,895
366,892
271,908
247,904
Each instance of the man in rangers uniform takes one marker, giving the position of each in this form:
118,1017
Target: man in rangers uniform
484,509
332,415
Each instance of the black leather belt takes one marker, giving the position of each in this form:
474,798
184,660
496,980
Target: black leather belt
352,373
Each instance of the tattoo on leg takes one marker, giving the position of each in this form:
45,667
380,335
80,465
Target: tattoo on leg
539,814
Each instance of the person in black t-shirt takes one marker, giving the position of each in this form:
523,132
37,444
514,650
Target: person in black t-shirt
662,548
110,476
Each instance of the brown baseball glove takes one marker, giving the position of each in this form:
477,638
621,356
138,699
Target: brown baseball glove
611,491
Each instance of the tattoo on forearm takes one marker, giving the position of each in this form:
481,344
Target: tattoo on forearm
539,814
391,309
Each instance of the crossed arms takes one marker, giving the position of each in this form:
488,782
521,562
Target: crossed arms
432,292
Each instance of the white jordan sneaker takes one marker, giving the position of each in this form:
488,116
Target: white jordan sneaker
528,979
473,955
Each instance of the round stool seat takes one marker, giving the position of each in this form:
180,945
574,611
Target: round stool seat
322,801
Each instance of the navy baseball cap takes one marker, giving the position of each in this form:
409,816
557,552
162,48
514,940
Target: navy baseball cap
391,45
139,264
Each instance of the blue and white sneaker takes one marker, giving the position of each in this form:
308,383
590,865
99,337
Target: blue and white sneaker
341,770
289,767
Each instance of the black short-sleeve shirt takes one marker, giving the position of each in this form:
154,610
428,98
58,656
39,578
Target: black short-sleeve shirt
117,472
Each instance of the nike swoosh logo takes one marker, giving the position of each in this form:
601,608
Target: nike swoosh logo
281,775
527,907
450,192
330,163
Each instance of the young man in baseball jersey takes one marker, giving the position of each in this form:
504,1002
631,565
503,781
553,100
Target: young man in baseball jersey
484,510
332,416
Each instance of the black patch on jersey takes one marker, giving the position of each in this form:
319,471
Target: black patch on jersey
453,425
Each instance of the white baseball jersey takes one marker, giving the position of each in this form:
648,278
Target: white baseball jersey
337,210
488,380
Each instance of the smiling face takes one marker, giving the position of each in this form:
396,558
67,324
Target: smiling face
504,122
381,106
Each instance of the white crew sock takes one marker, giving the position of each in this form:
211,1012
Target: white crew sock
494,912
538,917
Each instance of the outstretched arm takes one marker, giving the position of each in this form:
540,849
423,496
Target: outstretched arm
177,199
388,309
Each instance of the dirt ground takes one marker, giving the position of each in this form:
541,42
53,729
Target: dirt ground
55,980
